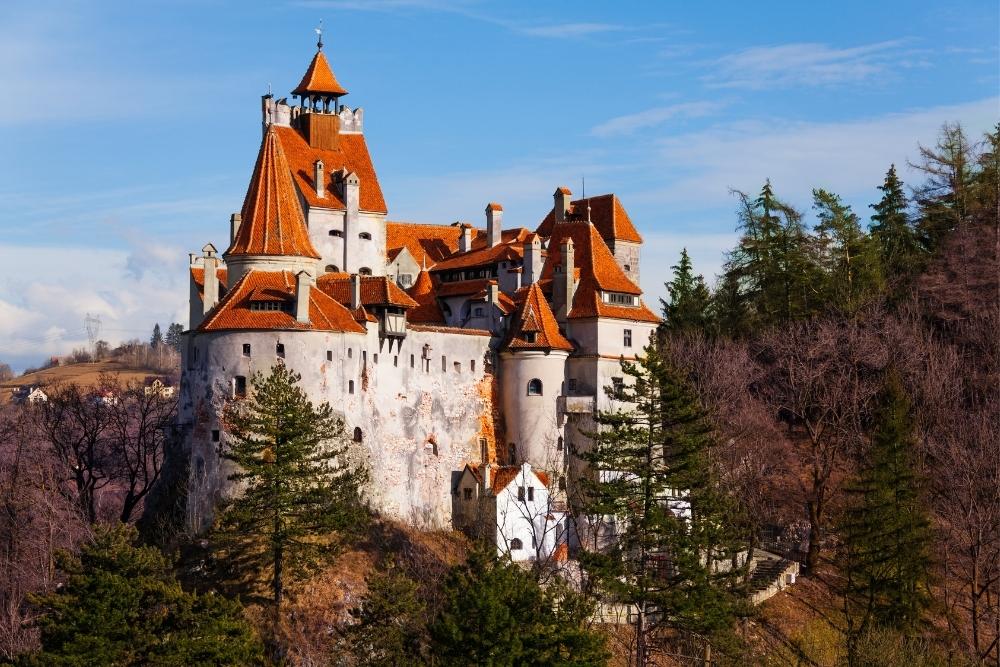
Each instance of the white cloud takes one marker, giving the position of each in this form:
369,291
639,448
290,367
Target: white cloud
567,30
630,123
802,64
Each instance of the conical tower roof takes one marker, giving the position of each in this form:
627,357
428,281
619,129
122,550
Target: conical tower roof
534,326
272,220
422,291
319,79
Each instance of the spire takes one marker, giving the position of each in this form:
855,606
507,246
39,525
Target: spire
534,326
271,221
319,80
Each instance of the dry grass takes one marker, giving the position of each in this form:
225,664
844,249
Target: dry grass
85,374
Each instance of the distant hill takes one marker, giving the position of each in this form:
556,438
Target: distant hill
86,373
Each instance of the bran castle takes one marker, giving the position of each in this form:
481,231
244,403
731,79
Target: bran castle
467,362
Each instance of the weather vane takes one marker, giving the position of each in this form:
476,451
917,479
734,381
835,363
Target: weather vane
319,34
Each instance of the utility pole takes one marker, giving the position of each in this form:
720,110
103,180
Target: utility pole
92,323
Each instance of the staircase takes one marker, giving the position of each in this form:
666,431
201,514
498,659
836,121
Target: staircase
769,574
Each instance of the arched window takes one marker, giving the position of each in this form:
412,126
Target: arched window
365,235
336,232
534,387
559,444
516,545
364,271
331,268
357,434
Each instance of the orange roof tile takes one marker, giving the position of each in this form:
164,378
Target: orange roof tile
534,316
494,206
510,248
375,290
423,293
606,213
351,154
272,220
199,280
502,476
233,311
319,79
432,243
462,287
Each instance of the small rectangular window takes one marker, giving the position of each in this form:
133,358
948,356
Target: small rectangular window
531,493
472,365
350,386
412,361
444,364
628,338
239,387
364,357
329,355
467,493
246,349
458,366
375,358
618,387
520,493
279,349
395,360
215,435
350,353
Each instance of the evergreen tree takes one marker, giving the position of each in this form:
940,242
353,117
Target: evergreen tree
300,490
121,605
892,233
670,524
390,625
887,530
946,199
157,338
495,614
688,307
173,337
847,257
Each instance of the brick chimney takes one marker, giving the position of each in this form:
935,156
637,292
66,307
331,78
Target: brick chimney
302,285
494,221
318,177
210,260
561,199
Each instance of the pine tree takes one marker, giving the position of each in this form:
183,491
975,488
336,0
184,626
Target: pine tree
886,532
173,337
300,490
495,614
390,624
121,605
946,199
671,525
892,233
157,338
846,251
689,299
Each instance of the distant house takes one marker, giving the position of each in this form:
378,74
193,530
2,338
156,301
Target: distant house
512,507
159,388
29,394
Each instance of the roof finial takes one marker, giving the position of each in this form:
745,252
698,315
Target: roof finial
585,197
319,36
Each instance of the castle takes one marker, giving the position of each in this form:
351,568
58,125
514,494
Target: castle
467,362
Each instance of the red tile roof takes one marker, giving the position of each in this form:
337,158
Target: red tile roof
462,287
494,206
375,290
423,293
510,248
534,316
351,154
598,271
446,329
233,311
319,79
272,220
199,280
431,242
606,213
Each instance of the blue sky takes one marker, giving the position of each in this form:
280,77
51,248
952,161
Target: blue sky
128,129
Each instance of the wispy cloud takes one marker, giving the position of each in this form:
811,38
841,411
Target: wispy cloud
802,64
630,123
566,30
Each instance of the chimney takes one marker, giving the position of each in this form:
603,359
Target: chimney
493,298
531,268
302,285
318,176
350,189
211,292
235,220
561,203
485,455
355,291
494,220
566,287
465,238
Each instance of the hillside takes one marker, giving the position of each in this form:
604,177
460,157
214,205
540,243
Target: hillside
82,373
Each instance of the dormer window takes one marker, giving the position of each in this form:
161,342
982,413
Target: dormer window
270,305
621,299
364,271
530,336
365,235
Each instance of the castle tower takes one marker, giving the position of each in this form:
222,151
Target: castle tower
271,234
533,365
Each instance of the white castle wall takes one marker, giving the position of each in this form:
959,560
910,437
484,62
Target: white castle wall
420,423
358,252
532,422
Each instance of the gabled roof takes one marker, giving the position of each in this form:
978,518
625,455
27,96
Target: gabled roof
510,248
272,221
606,214
199,280
319,79
534,316
375,290
427,310
233,311
351,154
598,271
432,243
